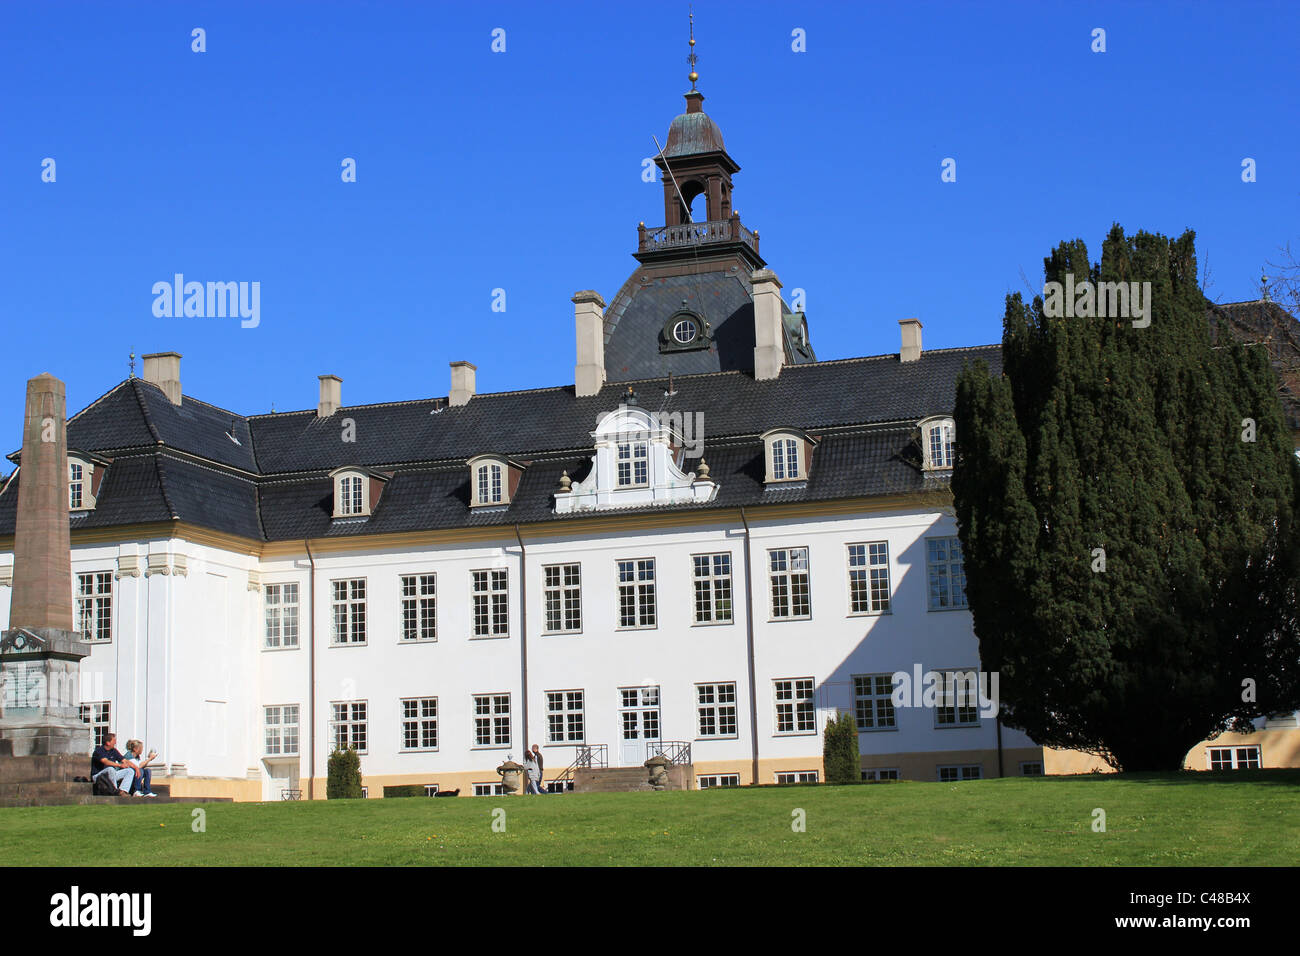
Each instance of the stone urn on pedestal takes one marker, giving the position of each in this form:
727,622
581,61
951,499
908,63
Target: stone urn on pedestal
512,777
658,767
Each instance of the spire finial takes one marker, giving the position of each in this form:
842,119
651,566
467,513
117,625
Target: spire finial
133,363
691,59
1263,288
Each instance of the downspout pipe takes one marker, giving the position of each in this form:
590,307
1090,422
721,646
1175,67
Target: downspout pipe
749,647
523,633
311,674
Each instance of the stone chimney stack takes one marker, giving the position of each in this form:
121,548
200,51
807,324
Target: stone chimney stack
462,383
589,320
911,350
42,594
331,395
769,333
164,370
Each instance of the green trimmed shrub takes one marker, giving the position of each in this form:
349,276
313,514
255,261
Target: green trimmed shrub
840,749
344,781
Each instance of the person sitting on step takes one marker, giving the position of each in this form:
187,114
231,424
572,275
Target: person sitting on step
107,762
139,764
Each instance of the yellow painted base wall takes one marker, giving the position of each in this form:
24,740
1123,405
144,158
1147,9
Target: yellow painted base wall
236,788
1279,747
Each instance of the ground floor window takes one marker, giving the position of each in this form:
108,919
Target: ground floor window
1031,768
881,774
797,776
953,772
559,786
718,780
1234,758
489,790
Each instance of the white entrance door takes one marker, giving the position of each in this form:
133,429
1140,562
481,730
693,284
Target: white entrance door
639,713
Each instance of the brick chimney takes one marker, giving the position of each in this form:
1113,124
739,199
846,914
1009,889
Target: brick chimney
589,320
769,334
911,350
331,395
462,383
164,370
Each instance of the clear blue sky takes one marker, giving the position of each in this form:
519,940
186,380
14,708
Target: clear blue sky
522,170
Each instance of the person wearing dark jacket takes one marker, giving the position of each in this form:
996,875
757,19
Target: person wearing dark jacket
107,760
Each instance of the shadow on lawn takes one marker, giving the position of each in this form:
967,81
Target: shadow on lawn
1285,777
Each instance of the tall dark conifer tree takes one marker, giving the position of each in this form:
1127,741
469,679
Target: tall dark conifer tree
1100,435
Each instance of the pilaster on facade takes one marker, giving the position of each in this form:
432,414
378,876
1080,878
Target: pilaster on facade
254,579
157,565
128,566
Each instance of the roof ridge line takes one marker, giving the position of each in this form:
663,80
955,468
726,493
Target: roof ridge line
144,410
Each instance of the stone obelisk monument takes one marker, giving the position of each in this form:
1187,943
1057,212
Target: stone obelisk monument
40,653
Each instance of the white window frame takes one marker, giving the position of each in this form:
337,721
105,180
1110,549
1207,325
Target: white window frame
81,474
418,594
281,730
489,600
798,706
713,589
566,709
1235,760
419,714
489,789
99,715
959,772
93,606
870,587
938,444
562,598
797,776
489,718
877,701
947,568
628,455
881,774
784,581
948,700
1026,772
351,495
351,724
355,632
430,789
714,781
490,480
713,701
280,615
635,587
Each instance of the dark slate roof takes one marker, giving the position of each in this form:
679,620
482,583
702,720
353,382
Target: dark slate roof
636,317
1266,322
179,463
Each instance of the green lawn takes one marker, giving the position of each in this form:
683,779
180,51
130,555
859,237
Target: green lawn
1202,819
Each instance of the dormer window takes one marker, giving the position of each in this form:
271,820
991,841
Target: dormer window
85,473
633,464
356,491
938,443
788,453
493,480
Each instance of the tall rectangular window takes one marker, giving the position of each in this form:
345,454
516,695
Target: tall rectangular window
281,606
349,611
785,459
633,464
941,445
957,704
98,714
795,711
350,489
489,484
419,607
419,723
349,725
562,596
789,575
94,610
492,720
565,720
873,703
490,591
715,706
636,593
946,574
712,588
869,578
75,479
281,725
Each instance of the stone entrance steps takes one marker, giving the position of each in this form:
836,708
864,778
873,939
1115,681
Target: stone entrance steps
627,779
47,794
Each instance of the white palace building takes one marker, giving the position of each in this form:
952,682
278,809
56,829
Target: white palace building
708,545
